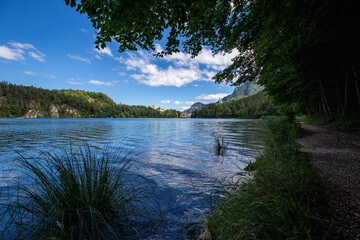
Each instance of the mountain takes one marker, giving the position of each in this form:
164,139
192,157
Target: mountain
246,89
197,105
32,102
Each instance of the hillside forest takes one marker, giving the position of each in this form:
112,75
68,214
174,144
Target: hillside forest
20,101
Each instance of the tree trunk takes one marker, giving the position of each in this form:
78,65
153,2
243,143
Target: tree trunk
339,102
356,84
346,94
323,105
325,102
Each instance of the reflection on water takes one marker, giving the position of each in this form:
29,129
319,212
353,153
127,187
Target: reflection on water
176,153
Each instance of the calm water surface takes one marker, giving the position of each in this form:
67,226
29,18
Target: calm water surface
177,154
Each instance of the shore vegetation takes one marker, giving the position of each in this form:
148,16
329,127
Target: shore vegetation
283,200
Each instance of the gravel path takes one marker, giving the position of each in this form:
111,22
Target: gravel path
335,156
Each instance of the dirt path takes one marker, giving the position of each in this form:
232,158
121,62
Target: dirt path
335,156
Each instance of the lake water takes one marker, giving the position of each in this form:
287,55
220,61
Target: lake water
176,153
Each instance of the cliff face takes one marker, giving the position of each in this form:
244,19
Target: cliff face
33,113
54,112
72,112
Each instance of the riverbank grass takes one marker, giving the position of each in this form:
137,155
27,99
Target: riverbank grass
80,194
283,199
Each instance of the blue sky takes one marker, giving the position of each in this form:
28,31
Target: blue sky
48,44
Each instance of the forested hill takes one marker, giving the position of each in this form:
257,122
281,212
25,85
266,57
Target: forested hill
246,89
254,106
32,102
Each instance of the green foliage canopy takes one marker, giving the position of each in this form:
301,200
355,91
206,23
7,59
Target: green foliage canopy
305,53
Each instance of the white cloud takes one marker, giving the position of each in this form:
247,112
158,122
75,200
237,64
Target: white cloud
189,103
72,81
30,73
38,56
98,57
49,75
134,62
212,96
16,52
83,30
209,74
155,77
122,74
165,101
99,83
181,71
105,50
177,102
184,108
119,59
158,48
216,62
21,45
150,74
11,54
79,58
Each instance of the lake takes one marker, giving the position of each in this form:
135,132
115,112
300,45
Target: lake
176,153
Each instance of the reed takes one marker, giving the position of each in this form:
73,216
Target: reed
220,146
81,194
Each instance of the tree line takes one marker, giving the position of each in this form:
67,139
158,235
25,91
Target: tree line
17,101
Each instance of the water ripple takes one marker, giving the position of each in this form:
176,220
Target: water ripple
176,153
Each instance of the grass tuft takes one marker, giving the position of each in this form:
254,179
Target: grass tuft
220,146
80,194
